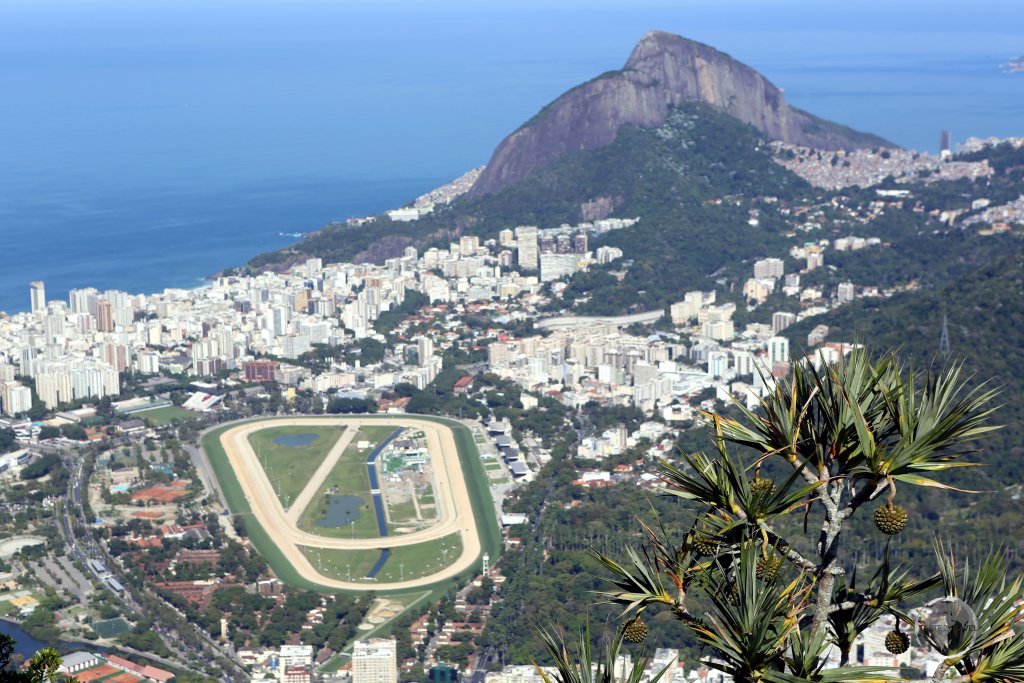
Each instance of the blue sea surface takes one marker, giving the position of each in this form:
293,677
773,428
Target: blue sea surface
148,145
144,239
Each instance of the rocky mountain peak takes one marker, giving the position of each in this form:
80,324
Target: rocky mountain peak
662,72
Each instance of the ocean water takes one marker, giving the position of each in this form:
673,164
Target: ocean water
147,145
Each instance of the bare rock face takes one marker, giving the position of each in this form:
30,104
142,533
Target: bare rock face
664,71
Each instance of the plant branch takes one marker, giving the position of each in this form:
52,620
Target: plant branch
788,551
865,494
940,673
859,599
828,549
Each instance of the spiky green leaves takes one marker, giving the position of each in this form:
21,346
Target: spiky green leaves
723,484
750,620
861,418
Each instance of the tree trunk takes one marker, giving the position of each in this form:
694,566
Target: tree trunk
828,550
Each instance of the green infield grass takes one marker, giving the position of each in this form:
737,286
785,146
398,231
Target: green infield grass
410,561
290,467
472,468
348,478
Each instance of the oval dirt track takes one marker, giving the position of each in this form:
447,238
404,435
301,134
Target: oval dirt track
455,510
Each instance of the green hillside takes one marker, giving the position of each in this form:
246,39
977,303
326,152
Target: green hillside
986,333
666,176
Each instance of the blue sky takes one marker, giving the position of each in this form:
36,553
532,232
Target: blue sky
367,87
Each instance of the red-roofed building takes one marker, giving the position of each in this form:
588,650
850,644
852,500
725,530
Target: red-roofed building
95,433
199,593
462,385
122,663
155,674
141,670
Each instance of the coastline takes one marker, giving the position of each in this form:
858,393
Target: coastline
444,190
170,240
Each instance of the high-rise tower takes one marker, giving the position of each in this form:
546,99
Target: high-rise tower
37,294
526,238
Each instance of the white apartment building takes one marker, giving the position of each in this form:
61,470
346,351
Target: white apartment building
518,673
778,350
15,398
555,266
526,238
37,295
781,320
769,268
845,292
374,661
66,380
295,655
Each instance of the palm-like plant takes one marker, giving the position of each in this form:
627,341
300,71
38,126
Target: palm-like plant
850,432
582,665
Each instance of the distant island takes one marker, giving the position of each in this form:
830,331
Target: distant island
1016,66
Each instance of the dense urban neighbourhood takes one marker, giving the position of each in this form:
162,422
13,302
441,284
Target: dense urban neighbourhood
578,352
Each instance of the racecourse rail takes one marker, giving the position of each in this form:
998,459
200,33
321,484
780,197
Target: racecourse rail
462,495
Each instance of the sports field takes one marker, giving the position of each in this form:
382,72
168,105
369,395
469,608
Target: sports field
164,416
465,522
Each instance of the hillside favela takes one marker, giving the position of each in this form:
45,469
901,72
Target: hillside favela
680,382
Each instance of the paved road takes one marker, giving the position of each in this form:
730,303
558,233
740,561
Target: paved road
566,321
86,548
451,494
206,477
